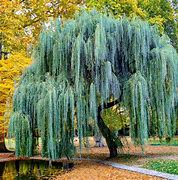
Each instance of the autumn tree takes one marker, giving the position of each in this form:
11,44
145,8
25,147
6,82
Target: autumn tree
87,65
21,21
10,72
10,30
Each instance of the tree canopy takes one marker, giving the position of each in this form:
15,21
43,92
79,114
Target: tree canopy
89,64
10,72
162,13
21,21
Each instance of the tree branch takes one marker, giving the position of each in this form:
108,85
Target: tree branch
109,104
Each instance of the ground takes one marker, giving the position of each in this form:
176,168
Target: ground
84,170
93,171
131,155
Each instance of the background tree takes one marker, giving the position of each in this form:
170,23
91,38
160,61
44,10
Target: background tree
122,62
163,13
10,72
21,21
118,9
10,30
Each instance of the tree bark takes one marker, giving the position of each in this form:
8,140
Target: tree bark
3,147
0,51
112,141
2,144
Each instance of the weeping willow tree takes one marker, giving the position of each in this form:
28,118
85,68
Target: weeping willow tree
89,64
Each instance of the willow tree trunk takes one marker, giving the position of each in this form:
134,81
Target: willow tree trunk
3,147
112,141
2,144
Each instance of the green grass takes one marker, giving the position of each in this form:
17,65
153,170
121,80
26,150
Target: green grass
173,142
167,166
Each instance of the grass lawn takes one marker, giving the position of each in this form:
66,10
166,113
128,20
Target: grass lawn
163,165
157,142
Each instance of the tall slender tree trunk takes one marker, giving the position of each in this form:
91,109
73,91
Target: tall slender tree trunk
112,141
0,51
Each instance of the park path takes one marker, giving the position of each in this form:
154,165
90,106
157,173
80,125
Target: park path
135,169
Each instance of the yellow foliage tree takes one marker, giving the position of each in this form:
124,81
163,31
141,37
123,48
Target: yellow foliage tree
10,72
21,21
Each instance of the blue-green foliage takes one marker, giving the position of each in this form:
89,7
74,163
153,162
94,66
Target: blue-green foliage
20,128
86,62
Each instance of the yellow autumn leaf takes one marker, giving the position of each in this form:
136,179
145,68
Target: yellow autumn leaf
10,71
